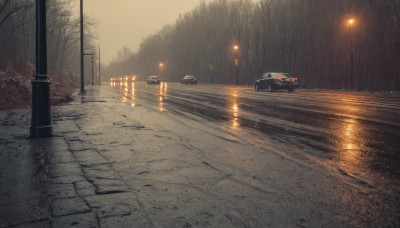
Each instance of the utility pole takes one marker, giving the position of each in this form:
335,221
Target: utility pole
211,66
92,62
82,91
41,114
237,71
351,58
99,68
351,21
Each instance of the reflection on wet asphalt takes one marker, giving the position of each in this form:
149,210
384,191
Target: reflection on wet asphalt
356,134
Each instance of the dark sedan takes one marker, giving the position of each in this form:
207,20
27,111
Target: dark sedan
189,79
273,81
153,80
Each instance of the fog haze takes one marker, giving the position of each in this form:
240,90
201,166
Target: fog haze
127,22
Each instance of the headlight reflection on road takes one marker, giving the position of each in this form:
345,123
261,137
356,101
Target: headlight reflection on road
349,137
349,143
163,95
125,91
133,100
128,94
350,152
234,109
235,120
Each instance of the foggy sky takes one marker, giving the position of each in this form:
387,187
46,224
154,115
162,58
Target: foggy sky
127,22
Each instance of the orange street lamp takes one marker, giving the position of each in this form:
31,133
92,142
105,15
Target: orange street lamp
236,49
161,67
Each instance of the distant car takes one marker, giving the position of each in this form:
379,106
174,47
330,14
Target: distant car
189,79
129,79
153,80
272,81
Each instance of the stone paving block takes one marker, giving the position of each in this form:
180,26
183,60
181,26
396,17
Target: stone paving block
114,211
107,182
203,219
134,220
85,220
70,206
75,137
117,155
62,191
86,192
93,132
61,157
84,189
126,198
65,126
68,179
103,189
89,158
93,174
65,169
84,185
80,146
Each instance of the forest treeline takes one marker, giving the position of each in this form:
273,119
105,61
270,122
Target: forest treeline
311,39
17,47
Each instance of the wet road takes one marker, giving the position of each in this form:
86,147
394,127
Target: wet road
354,135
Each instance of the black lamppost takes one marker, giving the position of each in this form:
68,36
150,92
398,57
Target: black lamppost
211,66
237,71
82,90
41,113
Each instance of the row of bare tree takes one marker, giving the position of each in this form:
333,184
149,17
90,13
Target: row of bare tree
311,39
17,36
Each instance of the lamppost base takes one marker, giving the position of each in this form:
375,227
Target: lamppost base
41,132
41,113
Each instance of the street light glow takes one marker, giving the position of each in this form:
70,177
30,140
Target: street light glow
236,47
351,21
161,64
